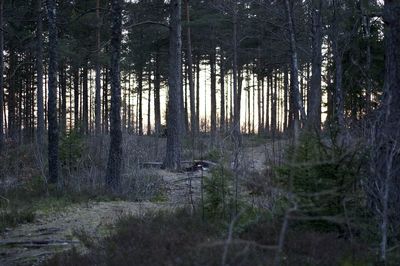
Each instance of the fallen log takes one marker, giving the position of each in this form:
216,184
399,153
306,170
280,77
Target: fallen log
42,242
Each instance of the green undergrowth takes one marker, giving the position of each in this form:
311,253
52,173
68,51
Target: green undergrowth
323,178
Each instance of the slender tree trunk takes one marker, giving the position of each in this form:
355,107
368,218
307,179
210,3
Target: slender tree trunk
268,106
105,100
259,109
76,97
222,82
294,72
314,96
213,92
366,24
236,87
190,72
85,108
52,98
390,131
337,59
63,98
148,107
274,89
114,164
198,95
248,102
12,127
1,78
263,109
39,70
157,84
98,74
140,95
174,120
285,96
184,102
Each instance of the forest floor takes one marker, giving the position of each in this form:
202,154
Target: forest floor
51,232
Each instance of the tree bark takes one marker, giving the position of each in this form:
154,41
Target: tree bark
198,95
148,106
63,98
390,131
157,84
98,74
337,59
140,97
39,71
114,164
12,127
294,73
236,87
1,78
85,106
193,121
274,89
76,97
174,119
213,92
52,98
222,82
285,100
314,96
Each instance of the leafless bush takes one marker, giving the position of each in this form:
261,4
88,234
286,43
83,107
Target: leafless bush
382,185
87,174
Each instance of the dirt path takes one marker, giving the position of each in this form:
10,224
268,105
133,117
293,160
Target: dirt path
29,244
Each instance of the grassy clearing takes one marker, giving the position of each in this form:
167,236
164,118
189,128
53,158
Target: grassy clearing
21,204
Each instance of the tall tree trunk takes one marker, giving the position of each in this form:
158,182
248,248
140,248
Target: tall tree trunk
213,92
364,6
174,120
263,109
193,121
285,100
39,71
314,96
1,78
85,107
114,164
236,87
148,107
222,82
268,106
190,72
52,98
157,84
63,98
294,72
98,74
337,59
184,102
390,131
273,102
140,97
12,127
198,94
248,101
105,100
76,97
259,109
